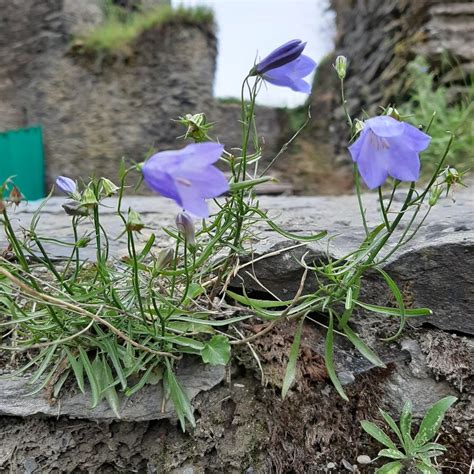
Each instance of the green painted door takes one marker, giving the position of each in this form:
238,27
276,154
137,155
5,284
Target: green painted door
22,159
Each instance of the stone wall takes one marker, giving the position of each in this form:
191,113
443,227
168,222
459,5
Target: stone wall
96,109
379,38
242,425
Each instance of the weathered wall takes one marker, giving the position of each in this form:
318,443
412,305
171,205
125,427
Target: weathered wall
379,38
95,110
243,426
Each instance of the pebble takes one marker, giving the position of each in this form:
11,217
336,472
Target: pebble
331,465
364,459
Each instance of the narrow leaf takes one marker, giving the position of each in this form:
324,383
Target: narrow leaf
374,431
391,422
181,403
392,453
329,359
405,426
77,368
363,348
94,384
409,313
393,467
290,372
432,420
110,392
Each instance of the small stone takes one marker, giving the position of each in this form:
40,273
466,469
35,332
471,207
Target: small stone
458,429
331,465
364,459
346,377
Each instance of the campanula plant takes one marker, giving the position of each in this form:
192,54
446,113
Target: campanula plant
120,324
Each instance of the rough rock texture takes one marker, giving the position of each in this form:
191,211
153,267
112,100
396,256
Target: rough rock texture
145,405
379,38
243,426
97,108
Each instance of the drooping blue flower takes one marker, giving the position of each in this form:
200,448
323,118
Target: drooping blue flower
281,56
66,185
387,147
286,66
187,176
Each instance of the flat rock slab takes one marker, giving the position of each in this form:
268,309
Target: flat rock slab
434,268
144,405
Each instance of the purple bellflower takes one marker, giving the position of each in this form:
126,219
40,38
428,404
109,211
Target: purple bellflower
286,66
387,147
187,176
66,185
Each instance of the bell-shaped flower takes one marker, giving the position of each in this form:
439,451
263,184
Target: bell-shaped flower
282,55
387,147
187,176
286,66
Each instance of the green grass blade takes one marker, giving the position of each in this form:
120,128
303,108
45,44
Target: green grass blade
290,372
329,359
91,377
180,400
77,368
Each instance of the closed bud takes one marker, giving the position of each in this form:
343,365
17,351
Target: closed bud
15,196
134,221
341,66
196,126
83,242
66,185
435,194
185,227
164,258
393,112
108,188
358,126
453,176
88,198
74,208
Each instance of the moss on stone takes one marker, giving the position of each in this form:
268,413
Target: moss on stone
117,32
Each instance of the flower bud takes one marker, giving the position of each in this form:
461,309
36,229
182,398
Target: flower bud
83,242
88,198
197,126
74,208
453,176
435,194
393,112
15,196
66,185
358,126
108,188
341,66
185,227
134,221
164,258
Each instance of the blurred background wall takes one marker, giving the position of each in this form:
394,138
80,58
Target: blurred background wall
100,95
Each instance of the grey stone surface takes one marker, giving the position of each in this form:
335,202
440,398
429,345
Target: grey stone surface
435,267
144,405
417,369
413,381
